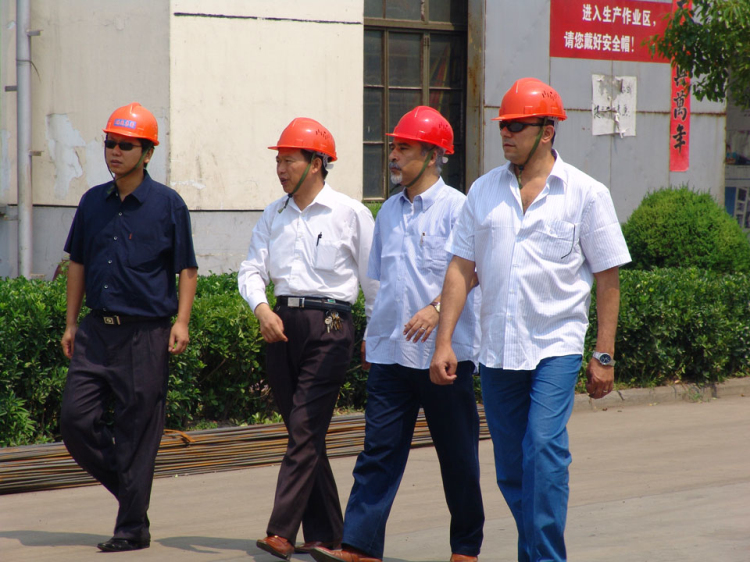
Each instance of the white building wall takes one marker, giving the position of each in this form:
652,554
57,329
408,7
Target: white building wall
240,74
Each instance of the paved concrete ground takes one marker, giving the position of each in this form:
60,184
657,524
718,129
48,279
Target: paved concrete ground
649,483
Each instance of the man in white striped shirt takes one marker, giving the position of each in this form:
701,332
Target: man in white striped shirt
538,231
409,259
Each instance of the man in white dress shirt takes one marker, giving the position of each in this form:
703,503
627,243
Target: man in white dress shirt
313,244
539,232
409,259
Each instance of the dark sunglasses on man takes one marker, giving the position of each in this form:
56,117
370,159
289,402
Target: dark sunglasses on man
125,146
518,126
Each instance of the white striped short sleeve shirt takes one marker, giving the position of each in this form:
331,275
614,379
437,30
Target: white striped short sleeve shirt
536,269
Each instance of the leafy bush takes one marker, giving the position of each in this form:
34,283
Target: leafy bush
680,324
688,324
682,228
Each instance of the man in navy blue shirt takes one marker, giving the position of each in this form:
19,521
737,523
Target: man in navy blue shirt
129,239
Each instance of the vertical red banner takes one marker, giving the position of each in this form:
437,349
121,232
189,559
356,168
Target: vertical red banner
679,118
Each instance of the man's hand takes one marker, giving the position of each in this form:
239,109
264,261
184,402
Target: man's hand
422,324
599,379
363,353
271,326
68,340
179,337
443,365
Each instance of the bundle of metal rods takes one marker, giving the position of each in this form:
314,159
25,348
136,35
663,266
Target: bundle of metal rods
49,466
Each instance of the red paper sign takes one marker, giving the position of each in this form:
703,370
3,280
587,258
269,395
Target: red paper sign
605,30
679,116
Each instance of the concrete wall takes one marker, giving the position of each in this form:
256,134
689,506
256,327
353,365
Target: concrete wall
629,166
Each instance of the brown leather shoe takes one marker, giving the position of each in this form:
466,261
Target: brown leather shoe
463,558
345,555
309,545
276,545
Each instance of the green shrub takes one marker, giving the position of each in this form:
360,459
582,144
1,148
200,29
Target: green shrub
680,324
682,228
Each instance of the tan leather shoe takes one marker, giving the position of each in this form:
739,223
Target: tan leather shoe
463,558
344,555
307,547
276,545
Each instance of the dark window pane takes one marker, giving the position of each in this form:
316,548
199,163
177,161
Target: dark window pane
373,58
373,130
454,11
404,59
447,61
373,8
373,173
403,9
399,102
450,104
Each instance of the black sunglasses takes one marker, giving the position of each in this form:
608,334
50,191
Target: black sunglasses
125,146
517,126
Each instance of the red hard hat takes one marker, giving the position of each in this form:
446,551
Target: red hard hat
425,124
530,97
307,134
135,121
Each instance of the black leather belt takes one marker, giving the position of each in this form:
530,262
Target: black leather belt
113,319
316,303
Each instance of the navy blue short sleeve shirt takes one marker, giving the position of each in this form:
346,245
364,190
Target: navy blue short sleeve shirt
131,250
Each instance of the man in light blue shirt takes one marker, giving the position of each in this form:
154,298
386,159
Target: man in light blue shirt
409,259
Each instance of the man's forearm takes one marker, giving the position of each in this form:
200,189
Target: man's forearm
75,291
607,308
186,293
456,287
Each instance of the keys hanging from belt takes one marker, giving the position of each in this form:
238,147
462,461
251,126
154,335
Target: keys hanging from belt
333,321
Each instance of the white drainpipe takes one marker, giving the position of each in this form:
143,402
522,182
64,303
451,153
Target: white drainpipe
23,125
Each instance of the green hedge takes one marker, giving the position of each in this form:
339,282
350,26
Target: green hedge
685,324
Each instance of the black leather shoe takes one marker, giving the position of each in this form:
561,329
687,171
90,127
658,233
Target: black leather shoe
122,545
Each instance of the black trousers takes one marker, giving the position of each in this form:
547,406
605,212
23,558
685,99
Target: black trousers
126,366
305,375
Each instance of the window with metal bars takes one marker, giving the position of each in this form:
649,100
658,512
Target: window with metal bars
414,54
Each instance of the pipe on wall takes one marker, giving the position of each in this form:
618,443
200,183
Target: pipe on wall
23,131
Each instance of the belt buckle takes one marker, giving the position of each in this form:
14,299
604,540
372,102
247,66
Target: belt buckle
111,320
295,302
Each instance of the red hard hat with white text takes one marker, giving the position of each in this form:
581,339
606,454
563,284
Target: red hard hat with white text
425,124
134,121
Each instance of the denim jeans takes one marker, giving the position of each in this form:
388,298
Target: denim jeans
527,413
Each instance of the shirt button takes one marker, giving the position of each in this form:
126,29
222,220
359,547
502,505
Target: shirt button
115,237
120,213
106,286
109,261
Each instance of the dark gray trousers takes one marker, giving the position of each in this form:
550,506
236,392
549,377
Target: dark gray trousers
126,366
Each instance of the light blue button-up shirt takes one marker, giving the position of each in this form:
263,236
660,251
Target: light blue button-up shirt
409,259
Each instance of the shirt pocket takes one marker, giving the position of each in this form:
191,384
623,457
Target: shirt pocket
558,240
147,248
326,255
433,256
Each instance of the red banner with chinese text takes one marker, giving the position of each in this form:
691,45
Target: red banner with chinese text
679,115
605,30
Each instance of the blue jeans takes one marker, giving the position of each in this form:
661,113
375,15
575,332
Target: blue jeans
527,412
394,395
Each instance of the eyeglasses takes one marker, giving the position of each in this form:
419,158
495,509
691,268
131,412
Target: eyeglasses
125,146
517,126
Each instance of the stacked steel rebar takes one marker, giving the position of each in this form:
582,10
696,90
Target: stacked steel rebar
49,466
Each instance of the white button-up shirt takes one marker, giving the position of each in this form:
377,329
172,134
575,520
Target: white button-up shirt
536,269
409,259
321,251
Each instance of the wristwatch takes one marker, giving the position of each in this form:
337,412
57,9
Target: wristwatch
436,304
603,358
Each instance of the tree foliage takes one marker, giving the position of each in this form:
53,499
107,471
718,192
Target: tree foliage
711,41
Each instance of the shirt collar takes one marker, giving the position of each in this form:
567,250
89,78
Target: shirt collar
429,196
558,169
326,197
140,193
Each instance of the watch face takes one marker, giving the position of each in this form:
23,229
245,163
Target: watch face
603,358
